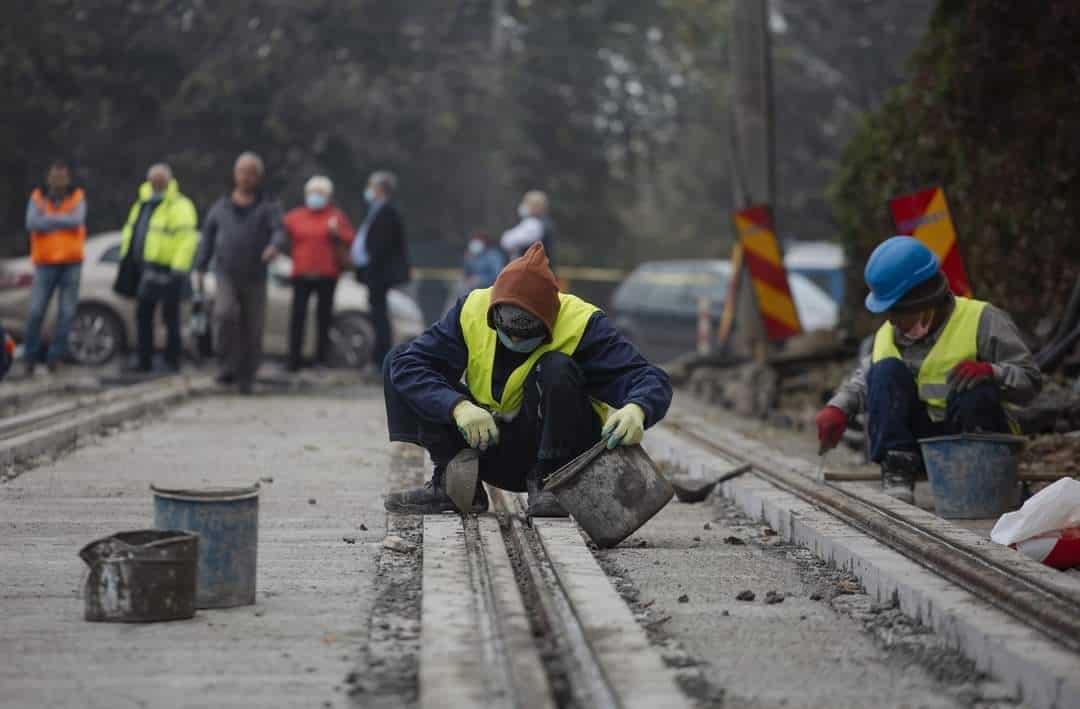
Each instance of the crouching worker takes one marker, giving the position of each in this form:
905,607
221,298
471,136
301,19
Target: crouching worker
546,376
940,365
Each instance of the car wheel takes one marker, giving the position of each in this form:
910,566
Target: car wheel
97,335
352,340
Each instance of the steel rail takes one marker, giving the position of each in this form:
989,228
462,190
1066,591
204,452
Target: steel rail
36,417
1047,608
588,684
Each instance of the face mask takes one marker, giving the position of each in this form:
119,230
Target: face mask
369,195
523,211
476,247
315,200
522,347
918,331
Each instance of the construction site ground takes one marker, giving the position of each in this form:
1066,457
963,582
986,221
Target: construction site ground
809,638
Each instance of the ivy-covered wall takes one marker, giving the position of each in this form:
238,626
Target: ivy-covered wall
991,111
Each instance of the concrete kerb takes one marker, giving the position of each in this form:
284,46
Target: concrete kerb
1042,674
66,434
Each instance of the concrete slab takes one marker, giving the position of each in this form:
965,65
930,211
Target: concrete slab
327,459
1039,671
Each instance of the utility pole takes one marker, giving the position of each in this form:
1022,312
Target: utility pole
496,95
752,145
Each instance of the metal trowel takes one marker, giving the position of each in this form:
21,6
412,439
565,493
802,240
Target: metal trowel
462,472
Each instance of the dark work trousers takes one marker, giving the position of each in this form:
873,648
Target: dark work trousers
380,320
239,318
154,290
555,424
303,288
898,418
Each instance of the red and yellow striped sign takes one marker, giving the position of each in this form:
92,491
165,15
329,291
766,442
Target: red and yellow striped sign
925,216
761,254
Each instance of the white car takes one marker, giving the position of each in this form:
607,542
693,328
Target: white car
104,324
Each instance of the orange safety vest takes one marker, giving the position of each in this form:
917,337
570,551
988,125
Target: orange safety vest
63,245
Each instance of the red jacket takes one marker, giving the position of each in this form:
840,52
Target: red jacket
308,232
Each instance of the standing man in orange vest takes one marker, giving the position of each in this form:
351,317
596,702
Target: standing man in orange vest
56,220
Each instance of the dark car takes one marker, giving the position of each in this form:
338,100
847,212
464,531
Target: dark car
657,305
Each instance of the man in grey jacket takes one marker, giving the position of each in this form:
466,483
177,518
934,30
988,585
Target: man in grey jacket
237,236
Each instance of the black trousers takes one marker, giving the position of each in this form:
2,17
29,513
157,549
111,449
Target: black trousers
152,293
898,419
555,424
380,320
303,288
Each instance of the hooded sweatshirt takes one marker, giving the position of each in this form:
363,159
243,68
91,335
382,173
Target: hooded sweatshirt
428,371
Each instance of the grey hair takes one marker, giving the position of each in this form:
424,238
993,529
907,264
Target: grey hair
159,168
384,179
254,158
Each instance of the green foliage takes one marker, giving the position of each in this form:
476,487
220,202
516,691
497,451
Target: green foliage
989,113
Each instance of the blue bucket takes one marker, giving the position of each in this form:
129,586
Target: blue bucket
227,522
972,475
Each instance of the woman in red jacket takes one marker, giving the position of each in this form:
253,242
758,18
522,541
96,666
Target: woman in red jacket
318,235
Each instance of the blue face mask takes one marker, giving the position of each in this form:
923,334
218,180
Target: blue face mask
524,346
523,212
315,200
369,195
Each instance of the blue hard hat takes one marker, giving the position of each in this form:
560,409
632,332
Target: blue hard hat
895,267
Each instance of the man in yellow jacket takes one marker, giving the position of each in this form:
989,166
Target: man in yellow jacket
160,236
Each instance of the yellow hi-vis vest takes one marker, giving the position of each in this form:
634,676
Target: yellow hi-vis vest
958,342
172,237
482,341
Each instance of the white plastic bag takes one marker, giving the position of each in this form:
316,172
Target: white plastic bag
1047,527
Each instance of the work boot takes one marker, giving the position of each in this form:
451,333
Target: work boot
898,472
460,477
431,499
542,503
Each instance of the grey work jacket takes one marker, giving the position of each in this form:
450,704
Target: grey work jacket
998,342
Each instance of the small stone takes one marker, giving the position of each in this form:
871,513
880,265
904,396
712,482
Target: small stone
684,598
733,540
769,532
642,543
815,596
745,596
266,479
352,678
725,613
697,539
349,540
309,670
311,501
707,526
396,543
260,614
363,527
802,617
772,597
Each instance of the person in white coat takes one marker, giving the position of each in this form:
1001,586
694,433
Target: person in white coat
535,226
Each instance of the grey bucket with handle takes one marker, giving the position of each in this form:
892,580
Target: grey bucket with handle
611,493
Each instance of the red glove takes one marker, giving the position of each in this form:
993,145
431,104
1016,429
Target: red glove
967,375
831,422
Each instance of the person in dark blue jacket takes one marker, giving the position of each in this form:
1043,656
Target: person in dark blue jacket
515,381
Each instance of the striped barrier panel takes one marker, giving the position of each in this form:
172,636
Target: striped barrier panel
761,255
925,216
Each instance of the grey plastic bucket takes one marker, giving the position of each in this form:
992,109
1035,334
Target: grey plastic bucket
140,576
972,475
610,494
227,522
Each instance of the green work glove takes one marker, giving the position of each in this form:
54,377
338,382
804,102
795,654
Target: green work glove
477,425
625,427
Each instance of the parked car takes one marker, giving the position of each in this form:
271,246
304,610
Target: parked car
657,304
104,324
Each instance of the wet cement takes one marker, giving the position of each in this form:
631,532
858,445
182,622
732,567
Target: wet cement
807,635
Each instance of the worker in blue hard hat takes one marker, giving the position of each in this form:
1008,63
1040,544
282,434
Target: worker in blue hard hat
940,365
